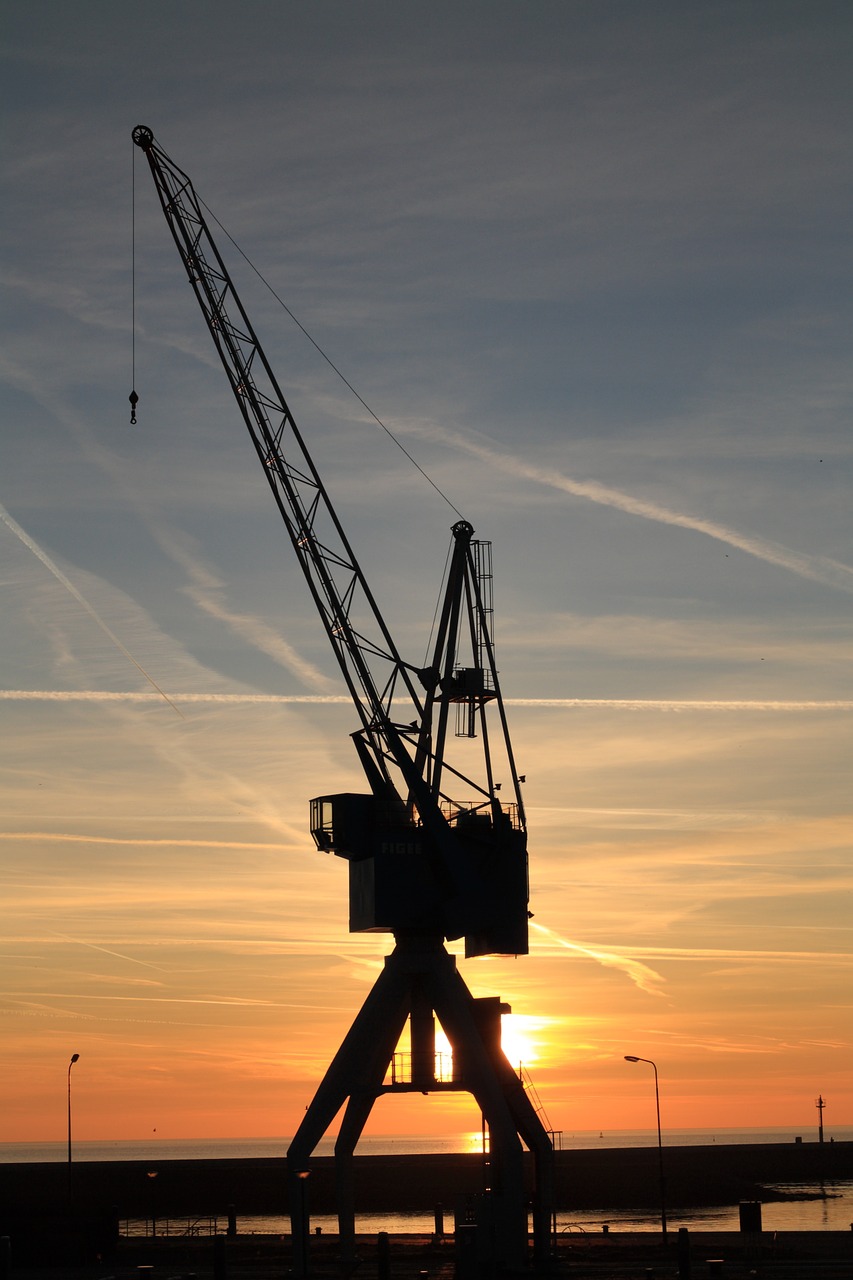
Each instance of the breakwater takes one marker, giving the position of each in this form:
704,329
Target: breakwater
617,1178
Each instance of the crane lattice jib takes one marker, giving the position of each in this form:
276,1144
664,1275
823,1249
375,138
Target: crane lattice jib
353,623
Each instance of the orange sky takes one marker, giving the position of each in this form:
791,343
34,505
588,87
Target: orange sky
197,957
592,270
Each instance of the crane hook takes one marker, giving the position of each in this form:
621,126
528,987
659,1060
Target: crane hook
134,401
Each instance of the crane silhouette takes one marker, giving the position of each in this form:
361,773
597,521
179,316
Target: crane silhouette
433,854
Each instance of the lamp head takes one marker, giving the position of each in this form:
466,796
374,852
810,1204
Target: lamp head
74,1058
629,1057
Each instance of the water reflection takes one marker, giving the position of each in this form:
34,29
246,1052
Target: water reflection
825,1207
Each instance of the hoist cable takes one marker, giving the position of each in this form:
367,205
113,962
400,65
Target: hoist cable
133,397
330,362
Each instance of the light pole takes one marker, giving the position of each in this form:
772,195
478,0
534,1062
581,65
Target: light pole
74,1058
629,1057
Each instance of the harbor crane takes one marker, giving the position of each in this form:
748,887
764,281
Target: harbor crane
435,854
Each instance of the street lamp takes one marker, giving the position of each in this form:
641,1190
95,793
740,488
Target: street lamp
74,1058
629,1057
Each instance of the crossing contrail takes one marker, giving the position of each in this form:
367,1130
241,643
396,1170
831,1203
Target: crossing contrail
54,568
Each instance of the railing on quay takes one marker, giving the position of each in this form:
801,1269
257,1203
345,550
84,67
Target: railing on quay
149,1228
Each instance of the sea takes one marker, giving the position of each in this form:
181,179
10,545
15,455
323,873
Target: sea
811,1206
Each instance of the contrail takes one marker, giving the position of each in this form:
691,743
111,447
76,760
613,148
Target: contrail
81,600
640,974
204,588
831,573
341,699
106,950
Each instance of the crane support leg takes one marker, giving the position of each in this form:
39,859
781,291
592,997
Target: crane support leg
454,1007
419,978
359,1107
355,1118
538,1141
370,1041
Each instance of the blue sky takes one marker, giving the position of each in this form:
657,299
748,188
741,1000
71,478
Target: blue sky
591,264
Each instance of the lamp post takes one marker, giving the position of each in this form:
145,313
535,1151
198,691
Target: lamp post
74,1058
629,1057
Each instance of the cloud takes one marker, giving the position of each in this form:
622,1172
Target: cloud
758,955
234,1001
67,837
805,640
206,590
684,704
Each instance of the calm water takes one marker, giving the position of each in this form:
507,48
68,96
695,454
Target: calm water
816,1207
832,1214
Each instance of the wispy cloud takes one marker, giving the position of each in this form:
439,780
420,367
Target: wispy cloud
207,592
758,955
805,640
684,704
67,837
235,1001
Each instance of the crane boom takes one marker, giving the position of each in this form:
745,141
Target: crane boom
321,545
420,858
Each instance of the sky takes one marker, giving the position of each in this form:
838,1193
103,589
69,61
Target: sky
590,264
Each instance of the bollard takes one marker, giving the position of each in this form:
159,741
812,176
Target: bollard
439,1220
232,1220
220,1270
683,1254
383,1256
750,1215
467,1245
